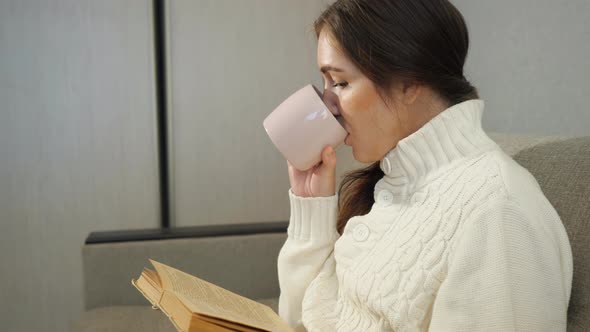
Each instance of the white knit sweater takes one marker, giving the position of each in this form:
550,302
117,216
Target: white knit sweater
460,238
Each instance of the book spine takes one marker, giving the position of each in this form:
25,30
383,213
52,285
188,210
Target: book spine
156,305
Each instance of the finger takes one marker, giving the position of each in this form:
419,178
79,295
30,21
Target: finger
329,158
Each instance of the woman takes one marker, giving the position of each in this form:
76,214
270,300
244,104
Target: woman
443,231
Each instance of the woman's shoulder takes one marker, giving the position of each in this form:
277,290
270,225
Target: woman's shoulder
493,176
518,184
500,174
513,187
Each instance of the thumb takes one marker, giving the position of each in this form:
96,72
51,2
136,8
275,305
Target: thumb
328,160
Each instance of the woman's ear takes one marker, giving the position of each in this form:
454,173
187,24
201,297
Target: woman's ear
406,92
410,92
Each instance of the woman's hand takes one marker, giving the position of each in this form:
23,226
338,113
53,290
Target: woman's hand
318,181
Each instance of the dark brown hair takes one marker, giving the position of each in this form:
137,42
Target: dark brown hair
391,41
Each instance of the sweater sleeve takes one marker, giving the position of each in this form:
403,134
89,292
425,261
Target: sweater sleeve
510,271
311,235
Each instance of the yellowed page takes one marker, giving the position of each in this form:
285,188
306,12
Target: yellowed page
226,324
205,298
153,277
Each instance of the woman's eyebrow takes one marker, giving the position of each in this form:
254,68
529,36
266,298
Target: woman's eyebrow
324,69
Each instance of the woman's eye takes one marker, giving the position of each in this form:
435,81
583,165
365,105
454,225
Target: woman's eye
342,84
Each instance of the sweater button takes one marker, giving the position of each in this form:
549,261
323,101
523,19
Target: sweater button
386,166
361,232
385,197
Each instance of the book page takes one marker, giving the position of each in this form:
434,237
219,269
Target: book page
205,298
152,277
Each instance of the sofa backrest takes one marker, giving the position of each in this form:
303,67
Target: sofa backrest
562,169
244,264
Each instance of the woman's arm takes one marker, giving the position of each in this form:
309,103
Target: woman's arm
510,271
311,237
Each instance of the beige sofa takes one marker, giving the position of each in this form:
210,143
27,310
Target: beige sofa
242,258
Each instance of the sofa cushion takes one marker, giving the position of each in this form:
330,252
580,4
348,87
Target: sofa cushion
133,318
125,318
243,264
563,172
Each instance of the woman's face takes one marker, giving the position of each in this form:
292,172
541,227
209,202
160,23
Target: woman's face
374,127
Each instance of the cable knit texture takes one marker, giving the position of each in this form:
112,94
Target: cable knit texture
460,238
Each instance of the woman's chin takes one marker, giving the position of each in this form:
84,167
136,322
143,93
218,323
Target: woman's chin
362,158
357,156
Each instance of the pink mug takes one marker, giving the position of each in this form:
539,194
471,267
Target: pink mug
301,126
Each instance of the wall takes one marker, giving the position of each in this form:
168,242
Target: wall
77,146
231,64
530,61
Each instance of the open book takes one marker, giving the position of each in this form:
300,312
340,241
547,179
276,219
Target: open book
193,304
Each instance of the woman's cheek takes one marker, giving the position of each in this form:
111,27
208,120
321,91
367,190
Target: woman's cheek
347,103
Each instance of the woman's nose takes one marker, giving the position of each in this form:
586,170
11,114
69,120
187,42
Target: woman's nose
331,101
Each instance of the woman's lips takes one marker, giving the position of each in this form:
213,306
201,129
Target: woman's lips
341,121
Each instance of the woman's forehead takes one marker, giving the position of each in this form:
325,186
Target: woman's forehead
329,54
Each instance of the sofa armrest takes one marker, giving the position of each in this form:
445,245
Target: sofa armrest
241,258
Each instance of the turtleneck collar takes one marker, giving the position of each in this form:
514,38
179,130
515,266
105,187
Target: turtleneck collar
453,134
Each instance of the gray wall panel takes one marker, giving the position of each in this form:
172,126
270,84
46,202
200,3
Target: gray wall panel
77,146
530,60
232,63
